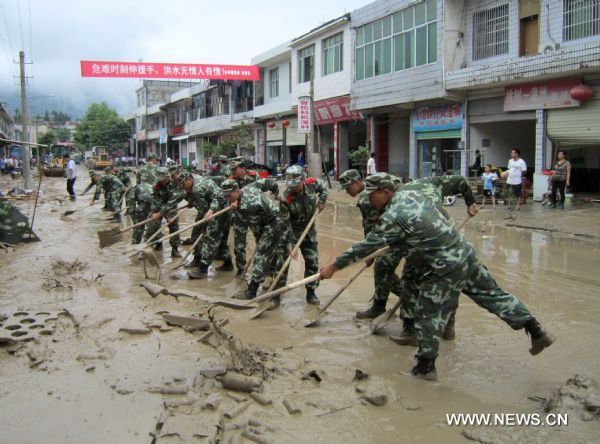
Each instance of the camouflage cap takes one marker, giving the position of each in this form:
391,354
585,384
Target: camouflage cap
175,169
378,181
223,158
348,178
236,162
93,174
186,175
162,173
108,169
151,156
229,185
294,175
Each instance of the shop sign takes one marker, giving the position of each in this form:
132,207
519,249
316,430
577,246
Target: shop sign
438,118
304,115
334,110
163,136
177,130
542,95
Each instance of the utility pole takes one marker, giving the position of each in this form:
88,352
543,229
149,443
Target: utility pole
24,120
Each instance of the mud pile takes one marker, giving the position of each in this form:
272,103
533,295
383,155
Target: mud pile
67,275
579,397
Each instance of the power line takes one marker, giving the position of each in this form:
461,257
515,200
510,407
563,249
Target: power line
11,63
30,35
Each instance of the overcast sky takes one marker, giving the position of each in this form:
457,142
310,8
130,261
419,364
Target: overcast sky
59,33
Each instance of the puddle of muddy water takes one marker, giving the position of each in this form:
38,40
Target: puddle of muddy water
487,369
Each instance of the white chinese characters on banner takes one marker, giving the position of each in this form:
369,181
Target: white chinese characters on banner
304,115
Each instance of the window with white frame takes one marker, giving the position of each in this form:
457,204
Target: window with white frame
305,63
274,82
490,32
397,42
581,18
333,59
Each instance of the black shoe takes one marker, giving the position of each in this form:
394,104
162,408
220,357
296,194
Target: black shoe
539,338
250,292
449,332
188,241
195,263
73,198
408,336
377,308
175,252
552,206
200,273
425,369
311,297
158,247
227,266
239,273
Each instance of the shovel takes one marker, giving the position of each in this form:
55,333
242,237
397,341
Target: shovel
188,254
112,236
384,319
69,212
315,277
247,267
319,312
264,306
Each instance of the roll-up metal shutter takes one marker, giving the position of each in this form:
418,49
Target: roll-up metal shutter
492,110
576,126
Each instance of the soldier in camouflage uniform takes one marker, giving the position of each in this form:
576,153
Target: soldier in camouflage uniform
92,182
147,173
140,200
240,230
415,225
261,215
113,187
385,278
300,199
222,170
163,193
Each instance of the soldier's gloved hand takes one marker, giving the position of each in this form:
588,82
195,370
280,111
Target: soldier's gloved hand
156,217
472,210
293,253
321,207
208,214
328,271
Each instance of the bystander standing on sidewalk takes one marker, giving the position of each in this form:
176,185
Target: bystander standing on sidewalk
561,178
71,174
371,165
514,177
489,185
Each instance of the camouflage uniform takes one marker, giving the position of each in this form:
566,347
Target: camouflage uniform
261,215
114,190
297,209
417,227
146,174
140,201
163,195
204,196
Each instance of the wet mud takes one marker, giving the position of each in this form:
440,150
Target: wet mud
95,381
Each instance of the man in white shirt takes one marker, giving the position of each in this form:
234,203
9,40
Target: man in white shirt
371,165
516,170
71,174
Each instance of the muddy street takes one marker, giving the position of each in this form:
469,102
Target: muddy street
110,368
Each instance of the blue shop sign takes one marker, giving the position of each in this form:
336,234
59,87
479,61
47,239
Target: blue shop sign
438,118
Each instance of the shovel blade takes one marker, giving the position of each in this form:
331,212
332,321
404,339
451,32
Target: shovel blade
109,237
262,307
314,318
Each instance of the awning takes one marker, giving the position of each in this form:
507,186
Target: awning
431,135
180,137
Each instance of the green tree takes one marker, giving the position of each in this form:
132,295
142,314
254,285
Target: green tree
62,134
48,138
360,157
47,116
101,126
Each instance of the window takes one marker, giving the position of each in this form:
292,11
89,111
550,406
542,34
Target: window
581,18
290,77
490,32
305,63
399,41
274,82
333,54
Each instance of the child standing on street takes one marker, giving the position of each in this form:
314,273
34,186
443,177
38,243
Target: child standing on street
489,185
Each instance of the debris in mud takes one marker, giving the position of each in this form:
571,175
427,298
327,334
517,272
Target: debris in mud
359,375
135,330
66,275
169,389
212,402
91,357
189,323
312,374
579,397
236,411
240,383
174,403
378,400
480,436
261,399
291,407
23,326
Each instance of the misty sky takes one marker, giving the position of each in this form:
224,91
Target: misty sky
59,33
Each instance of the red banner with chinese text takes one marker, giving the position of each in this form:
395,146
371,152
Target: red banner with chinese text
148,70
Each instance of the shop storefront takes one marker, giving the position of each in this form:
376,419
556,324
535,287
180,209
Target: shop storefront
284,143
438,139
